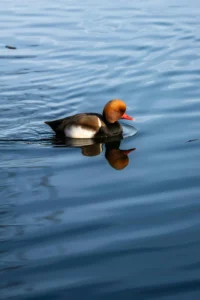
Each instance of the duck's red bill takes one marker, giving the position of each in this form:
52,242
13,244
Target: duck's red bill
127,117
126,152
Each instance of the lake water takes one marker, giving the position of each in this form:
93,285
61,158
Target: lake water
72,224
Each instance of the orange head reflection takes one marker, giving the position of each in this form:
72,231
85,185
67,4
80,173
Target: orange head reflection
118,159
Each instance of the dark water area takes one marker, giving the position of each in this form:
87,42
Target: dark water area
74,223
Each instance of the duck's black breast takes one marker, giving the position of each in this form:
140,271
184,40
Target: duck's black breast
108,129
114,129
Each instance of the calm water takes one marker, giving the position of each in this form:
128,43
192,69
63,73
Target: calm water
73,226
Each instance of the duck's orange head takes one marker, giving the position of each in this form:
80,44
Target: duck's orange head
115,110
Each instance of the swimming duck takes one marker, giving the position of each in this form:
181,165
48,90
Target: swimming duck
93,125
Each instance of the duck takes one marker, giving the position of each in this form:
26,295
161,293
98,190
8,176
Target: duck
93,125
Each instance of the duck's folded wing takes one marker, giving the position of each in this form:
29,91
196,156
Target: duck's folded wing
86,121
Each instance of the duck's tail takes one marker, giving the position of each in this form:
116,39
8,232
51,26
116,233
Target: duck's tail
53,124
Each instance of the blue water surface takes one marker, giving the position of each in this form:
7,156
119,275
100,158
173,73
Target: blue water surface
73,223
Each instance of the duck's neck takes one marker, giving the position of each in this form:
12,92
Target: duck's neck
106,121
104,118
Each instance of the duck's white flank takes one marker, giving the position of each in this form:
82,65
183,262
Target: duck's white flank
78,132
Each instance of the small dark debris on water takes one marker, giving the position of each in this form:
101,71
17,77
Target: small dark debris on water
10,47
193,140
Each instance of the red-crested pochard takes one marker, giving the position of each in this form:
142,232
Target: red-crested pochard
93,125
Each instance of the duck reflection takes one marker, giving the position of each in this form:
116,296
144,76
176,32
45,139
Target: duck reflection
116,157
